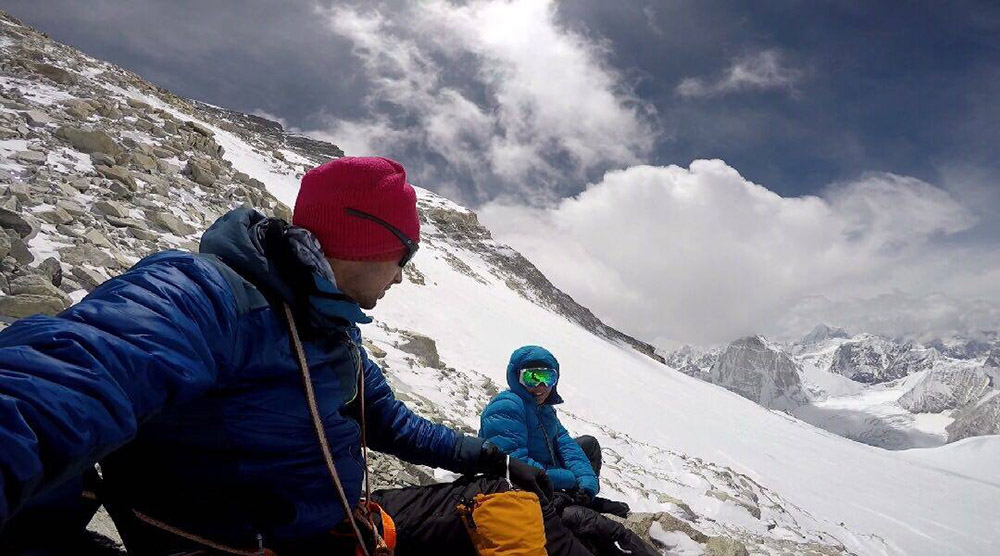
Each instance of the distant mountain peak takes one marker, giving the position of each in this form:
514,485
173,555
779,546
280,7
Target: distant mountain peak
823,332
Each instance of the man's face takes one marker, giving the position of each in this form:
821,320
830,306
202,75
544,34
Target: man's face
366,281
540,392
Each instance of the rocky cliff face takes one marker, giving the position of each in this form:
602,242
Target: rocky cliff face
872,359
962,347
978,419
693,361
948,387
761,372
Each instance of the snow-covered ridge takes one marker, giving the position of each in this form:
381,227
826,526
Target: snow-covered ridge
703,462
887,392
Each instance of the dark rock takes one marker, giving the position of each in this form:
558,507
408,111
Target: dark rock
54,73
423,348
25,305
35,284
119,174
88,141
57,215
111,208
18,222
169,222
123,222
95,237
102,159
88,278
143,234
51,269
86,254
19,250
37,118
199,173
725,546
30,157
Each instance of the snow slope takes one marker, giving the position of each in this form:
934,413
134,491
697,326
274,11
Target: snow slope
977,457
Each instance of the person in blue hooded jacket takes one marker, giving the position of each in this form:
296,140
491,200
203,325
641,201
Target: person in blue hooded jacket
522,422
183,378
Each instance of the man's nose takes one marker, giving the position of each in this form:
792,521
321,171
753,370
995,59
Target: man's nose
399,276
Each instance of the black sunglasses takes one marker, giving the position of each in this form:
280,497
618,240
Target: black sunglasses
411,246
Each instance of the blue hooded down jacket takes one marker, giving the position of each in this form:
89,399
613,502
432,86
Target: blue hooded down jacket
532,433
181,374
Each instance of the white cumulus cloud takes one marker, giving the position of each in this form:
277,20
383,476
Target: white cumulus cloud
493,93
702,255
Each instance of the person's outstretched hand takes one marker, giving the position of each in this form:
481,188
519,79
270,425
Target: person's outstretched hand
530,478
493,461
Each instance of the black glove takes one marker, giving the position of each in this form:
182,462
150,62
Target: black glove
561,500
581,497
530,478
493,461
605,506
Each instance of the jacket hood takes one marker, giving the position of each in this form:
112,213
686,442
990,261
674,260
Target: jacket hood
529,356
284,261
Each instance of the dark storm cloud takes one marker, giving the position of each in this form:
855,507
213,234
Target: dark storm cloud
900,87
250,55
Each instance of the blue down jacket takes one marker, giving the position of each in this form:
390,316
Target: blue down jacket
181,374
532,433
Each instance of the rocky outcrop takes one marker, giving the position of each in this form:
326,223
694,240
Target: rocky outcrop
978,419
423,348
947,387
872,359
759,371
993,359
24,305
962,347
89,140
693,361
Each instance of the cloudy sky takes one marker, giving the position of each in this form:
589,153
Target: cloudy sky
692,171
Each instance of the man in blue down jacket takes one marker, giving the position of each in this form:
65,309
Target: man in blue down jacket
180,378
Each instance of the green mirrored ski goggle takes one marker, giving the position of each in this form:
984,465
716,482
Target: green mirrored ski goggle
534,377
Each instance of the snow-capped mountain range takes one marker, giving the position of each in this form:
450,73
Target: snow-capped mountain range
99,168
891,393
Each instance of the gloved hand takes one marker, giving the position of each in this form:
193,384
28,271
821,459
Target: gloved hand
582,497
561,500
530,478
493,461
613,507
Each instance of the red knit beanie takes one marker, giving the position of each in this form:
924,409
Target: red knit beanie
373,185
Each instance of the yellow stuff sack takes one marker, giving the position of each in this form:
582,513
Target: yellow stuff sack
505,524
